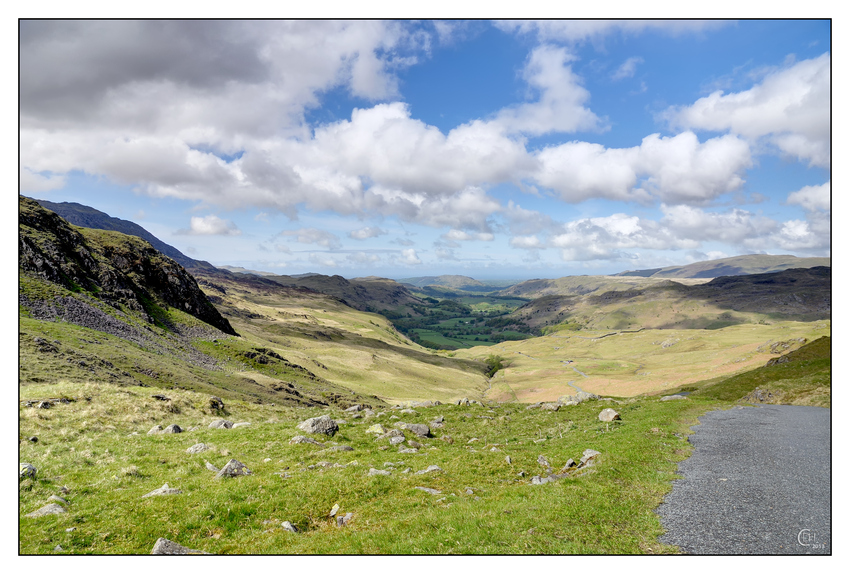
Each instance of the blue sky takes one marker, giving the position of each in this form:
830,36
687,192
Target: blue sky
510,149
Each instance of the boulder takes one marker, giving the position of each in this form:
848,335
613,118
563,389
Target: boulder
583,396
303,439
233,469
377,472
354,409
679,397
464,402
541,460
172,429
51,508
343,520
608,415
419,429
157,429
342,447
220,424
162,491
541,480
236,425
404,450
550,406
211,467
216,404
587,457
320,425
196,448
428,490
376,429
431,468
165,546
394,440
287,525
26,470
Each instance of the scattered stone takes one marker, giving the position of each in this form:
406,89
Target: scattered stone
160,397
165,546
413,444
403,450
377,472
587,456
447,438
162,491
550,406
27,470
464,402
216,404
71,529
57,548
608,415
394,440
220,424
303,439
340,448
233,469
157,429
470,491
334,510
419,429
51,508
58,499
385,447
267,460
211,467
541,480
570,464
241,425
541,460
33,439
439,419
508,459
354,409
679,397
408,412
431,468
534,406
472,440
343,520
196,448
172,429
44,405
287,525
494,449
428,490
320,425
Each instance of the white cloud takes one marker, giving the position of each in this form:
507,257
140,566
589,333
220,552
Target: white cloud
527,242
323,260
734,227
457,235
813,197
409,257
210,225
37,182
361,258
627,69
790,108
595,30
560,107
672,169
311,235
366,233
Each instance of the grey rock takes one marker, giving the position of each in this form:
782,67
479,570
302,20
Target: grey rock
33,439
464,402
27,470
216,404
508,459
419,429
609,415
413,444
343,520
320,425
334,510
51,508
303,439
157,429
165,546
377,472
376,429
584,396
235,425
570,464
431,468
57,548
428,490
404,450
542,461
287,525
340,448
196,448
163,491
58,499
233,469
172,429
354,409
220,424
675,397
44,405
211,467
541,480
587,457
534,406
394,440
550,406
408,412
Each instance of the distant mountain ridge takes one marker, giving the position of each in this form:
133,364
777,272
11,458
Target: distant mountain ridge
731,266
85,216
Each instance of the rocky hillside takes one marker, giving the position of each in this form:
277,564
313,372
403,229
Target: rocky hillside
741,265
122,271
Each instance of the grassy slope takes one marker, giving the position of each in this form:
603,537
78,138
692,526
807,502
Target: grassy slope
628,364
87,447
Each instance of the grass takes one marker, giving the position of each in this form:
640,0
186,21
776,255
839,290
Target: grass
87,446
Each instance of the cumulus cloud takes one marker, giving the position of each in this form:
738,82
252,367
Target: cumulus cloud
677,168
527,242
627,69
409,257
210,225
595,30
311,235
790,108
457,235
362,258
366,233
813,197
735,226
560,107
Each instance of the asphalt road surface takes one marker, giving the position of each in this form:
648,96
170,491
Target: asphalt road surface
758,482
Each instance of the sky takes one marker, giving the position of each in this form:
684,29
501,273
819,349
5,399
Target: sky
494,149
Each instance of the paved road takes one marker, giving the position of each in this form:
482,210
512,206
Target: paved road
758,482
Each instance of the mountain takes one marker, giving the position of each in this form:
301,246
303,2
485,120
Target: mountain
740,265
85,216
233,269
453,281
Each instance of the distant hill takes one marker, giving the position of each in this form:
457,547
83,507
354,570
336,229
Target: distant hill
740,265
85,216
373,294
453,281
233,269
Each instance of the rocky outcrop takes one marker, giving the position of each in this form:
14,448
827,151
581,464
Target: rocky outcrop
320,425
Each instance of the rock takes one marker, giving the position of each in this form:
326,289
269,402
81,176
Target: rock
376,429
608,415
428,490
570,464
211,467
162,491
57,548
354,409
676,397
404,450
431,468
419,429
320,425
216,404
342,447
233,469
172,429
303,439
241,425
334,510
541,460
220,424
33,439
196,448
413,444
447,438
550,406
394,440
51,508
26,470
377,472
408,412
508,459
587,456
287,525
343,520
157,429
58,499
160,397
583,396
165,546
541,480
